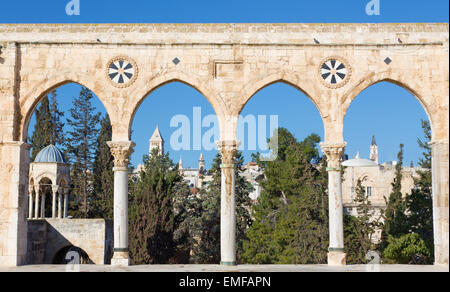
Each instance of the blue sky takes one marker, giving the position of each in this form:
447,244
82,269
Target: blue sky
386,110
224,11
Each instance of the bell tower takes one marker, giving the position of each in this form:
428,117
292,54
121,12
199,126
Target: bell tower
374,150
156,142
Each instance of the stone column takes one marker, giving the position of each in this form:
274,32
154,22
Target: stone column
66,202
14,187
227,203
43,202
54,191
336,252
121,152
440,189
30,201
36,203
60,204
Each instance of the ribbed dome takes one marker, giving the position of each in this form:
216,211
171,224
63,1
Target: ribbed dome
50,154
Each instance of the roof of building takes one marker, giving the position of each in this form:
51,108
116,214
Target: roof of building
373,140
156,135
50,154
359,162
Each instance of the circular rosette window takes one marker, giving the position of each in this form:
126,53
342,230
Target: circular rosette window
122,71
334,72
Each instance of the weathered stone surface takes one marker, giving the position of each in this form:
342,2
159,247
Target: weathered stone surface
46,237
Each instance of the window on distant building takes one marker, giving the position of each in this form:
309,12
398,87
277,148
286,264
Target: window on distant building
368,191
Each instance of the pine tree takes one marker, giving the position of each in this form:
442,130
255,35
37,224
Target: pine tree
81,145
103,175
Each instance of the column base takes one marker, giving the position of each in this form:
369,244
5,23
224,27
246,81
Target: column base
336,258
120,258
227,263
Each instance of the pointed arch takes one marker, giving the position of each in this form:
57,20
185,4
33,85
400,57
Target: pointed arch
253,88
190,80
31,99
412,86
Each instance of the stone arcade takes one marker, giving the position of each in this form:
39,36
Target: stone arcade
228,64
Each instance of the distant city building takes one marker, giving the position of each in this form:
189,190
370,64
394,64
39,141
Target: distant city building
254,174
196,178
156,142
376,179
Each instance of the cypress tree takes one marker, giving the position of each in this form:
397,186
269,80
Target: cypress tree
420,201
395,223
358,230
153,221
103,195
49,127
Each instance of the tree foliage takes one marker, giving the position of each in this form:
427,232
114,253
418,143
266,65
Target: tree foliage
291,216
81,144
103,176
153,219
48,129
205,218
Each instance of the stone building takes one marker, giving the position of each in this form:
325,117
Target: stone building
253,173
194,177
376,180
49,171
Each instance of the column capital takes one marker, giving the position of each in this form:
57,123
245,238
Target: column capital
333,152
437,142
228,151
121,150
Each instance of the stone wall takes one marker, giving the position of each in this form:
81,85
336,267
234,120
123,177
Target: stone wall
46,237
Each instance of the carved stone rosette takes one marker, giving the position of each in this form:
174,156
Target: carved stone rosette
228,151
121,152
333,152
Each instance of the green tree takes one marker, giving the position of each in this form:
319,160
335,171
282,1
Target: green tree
103,196
420,203
291,216
205,214
407,249
81,144
395,214
153,221
49,127
359,229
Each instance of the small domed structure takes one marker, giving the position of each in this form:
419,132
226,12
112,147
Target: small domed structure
50,154
49,171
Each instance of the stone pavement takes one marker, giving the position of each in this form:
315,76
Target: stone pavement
240,268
